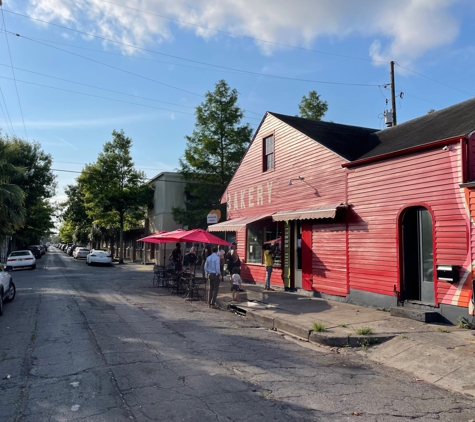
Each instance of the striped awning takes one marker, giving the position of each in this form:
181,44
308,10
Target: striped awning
235,224
324,211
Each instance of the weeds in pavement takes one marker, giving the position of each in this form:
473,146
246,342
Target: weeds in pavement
404,336
364,331
366,342
463,323
318,327
443,330
343,325
383,309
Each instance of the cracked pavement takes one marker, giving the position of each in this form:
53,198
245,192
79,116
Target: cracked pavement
101,344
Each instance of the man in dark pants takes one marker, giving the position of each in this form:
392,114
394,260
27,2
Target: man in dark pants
213,273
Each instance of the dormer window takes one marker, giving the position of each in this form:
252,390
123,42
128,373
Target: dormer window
268,158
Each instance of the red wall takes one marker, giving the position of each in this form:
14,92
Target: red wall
295,155
380,191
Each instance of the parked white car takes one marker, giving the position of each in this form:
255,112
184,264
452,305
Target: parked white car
21,259
98,256
7,288
80,253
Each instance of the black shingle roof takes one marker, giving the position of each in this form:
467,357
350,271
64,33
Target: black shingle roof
355,143
350,142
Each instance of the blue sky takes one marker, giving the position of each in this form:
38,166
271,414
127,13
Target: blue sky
155,59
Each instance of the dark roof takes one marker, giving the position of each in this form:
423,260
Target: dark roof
450,122
355,143
350,142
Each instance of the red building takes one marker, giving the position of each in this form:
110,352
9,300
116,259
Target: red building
379,218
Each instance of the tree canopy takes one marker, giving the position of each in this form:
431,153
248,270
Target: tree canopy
312,106
12,210
115,193
212,154
37,182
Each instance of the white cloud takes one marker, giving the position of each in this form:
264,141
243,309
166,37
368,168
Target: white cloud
401,30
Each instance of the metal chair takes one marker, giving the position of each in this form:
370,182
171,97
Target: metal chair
199,288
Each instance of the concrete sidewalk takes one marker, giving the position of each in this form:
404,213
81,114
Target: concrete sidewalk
439,354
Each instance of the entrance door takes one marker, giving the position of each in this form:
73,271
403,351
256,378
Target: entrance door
417,255
307,254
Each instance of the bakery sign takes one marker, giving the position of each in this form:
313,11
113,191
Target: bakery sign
249,197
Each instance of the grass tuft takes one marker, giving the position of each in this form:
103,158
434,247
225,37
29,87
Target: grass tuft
318,327
343,325
443,330
364,331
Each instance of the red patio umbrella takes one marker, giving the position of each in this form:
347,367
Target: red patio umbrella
152,237
160,238
201,236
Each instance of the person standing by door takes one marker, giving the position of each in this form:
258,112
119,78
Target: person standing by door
213,273
269,264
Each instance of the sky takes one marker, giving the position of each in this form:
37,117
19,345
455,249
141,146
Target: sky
71,72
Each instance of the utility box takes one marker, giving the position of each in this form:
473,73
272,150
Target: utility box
449,273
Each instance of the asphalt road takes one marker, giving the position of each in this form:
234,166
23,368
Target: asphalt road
101,344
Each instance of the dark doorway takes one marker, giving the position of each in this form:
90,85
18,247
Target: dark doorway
417,255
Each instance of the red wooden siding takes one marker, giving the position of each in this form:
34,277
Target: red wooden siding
329,258
471,158
380,191
295,155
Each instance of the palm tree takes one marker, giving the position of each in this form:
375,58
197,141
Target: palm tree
12,211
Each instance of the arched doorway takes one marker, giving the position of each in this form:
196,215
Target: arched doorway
417,255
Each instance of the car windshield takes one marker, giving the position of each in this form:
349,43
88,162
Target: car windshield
20,253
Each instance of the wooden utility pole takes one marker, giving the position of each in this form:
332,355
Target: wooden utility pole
393,94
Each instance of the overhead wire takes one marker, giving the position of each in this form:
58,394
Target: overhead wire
434,80
188,23
96,87
219,67
13,71
245,36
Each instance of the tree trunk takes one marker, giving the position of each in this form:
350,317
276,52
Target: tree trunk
121,240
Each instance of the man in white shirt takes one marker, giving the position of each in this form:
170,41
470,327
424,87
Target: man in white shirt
213,273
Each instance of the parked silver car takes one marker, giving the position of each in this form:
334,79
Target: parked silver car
7,287
80,253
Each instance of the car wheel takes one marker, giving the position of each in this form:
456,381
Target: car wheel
33,267
11,293
87,262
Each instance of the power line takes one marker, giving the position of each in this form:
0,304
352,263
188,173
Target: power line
96,87
434,80
246,36
103,89
105,64
219,67
183,58
8,114
107,98
13,71
97,96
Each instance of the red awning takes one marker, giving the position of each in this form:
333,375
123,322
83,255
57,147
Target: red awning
235,224
324,211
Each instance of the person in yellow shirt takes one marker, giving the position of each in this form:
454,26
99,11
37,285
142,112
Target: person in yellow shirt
269,264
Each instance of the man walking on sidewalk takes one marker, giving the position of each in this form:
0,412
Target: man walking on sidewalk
213,273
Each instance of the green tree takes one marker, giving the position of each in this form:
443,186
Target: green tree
12,210
312,107
212,155
115,193
431,111
75,213
38,184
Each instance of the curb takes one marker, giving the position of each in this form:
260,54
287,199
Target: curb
324,339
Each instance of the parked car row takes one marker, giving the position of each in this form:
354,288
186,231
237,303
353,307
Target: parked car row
37,250
94,256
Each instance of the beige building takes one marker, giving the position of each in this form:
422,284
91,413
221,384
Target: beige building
169,193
